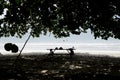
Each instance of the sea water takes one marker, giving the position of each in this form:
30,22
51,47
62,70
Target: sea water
111,49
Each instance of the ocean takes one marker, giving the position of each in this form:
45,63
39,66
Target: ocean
111,49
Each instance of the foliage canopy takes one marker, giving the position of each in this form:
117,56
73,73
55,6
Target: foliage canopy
60,17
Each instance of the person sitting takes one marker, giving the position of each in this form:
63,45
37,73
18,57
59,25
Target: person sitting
51,52
71,52
56,48
60,48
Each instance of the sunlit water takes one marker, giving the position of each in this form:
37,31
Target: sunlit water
112,49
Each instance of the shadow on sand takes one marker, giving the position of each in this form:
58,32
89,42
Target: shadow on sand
60,67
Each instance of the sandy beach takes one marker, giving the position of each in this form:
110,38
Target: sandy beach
59,67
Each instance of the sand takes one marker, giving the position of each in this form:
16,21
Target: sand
60,67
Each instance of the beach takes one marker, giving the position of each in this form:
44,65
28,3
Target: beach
59,67
111,49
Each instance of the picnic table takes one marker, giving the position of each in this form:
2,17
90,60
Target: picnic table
69,50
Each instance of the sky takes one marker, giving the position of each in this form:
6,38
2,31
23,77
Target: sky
82,38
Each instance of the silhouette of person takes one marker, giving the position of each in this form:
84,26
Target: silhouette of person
71,52
51,52
60,48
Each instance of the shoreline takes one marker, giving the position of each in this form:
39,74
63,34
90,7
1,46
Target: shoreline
44,53
78,52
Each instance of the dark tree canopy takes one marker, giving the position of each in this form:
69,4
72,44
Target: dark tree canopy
60,17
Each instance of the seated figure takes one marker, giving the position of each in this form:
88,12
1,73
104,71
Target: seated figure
51,52
56,48
71,52
60,48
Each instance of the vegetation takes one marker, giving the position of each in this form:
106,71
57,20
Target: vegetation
60,17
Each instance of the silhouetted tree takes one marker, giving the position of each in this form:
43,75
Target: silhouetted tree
60,17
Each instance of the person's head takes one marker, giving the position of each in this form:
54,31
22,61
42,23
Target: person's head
71,49
50,49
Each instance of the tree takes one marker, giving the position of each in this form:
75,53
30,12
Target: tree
60,17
